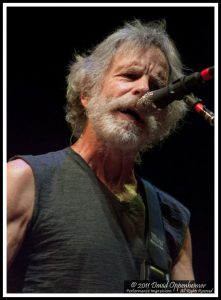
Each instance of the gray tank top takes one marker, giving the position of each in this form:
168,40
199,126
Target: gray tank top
81,239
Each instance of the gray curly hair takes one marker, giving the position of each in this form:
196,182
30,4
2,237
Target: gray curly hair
88,69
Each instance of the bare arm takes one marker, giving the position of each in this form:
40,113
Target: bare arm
183,270
20,202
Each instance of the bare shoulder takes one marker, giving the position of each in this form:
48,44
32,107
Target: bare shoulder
20,203
182,269
18,168
20,186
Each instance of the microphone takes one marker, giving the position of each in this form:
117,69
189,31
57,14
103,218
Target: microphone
176,90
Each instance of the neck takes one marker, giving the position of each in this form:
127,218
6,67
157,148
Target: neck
114,167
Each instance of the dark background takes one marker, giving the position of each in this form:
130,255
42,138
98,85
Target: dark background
40,43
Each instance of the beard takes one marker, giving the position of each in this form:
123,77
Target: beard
127,135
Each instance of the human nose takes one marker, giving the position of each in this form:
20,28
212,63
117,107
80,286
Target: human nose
141,86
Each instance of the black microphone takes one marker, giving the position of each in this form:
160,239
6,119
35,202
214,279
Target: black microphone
176,90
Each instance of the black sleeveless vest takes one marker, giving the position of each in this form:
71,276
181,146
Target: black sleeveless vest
81,239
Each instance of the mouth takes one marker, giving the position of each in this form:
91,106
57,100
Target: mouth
131,114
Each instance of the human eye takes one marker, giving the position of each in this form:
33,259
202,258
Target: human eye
156,84
131,75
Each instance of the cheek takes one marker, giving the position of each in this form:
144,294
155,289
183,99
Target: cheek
115,89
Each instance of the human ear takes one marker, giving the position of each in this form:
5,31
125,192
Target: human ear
84,100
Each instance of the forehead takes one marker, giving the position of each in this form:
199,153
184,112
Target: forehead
152,59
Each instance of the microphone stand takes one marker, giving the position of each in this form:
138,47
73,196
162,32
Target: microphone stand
197,105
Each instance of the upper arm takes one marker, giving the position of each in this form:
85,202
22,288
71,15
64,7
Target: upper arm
20,202
182,269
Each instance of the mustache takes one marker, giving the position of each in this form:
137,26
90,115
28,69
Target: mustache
101,105
129,102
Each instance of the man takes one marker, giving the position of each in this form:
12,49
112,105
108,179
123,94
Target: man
77,218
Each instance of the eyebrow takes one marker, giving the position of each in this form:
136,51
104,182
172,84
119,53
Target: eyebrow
129,67
135,67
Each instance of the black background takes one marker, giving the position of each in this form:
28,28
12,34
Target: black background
40,44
